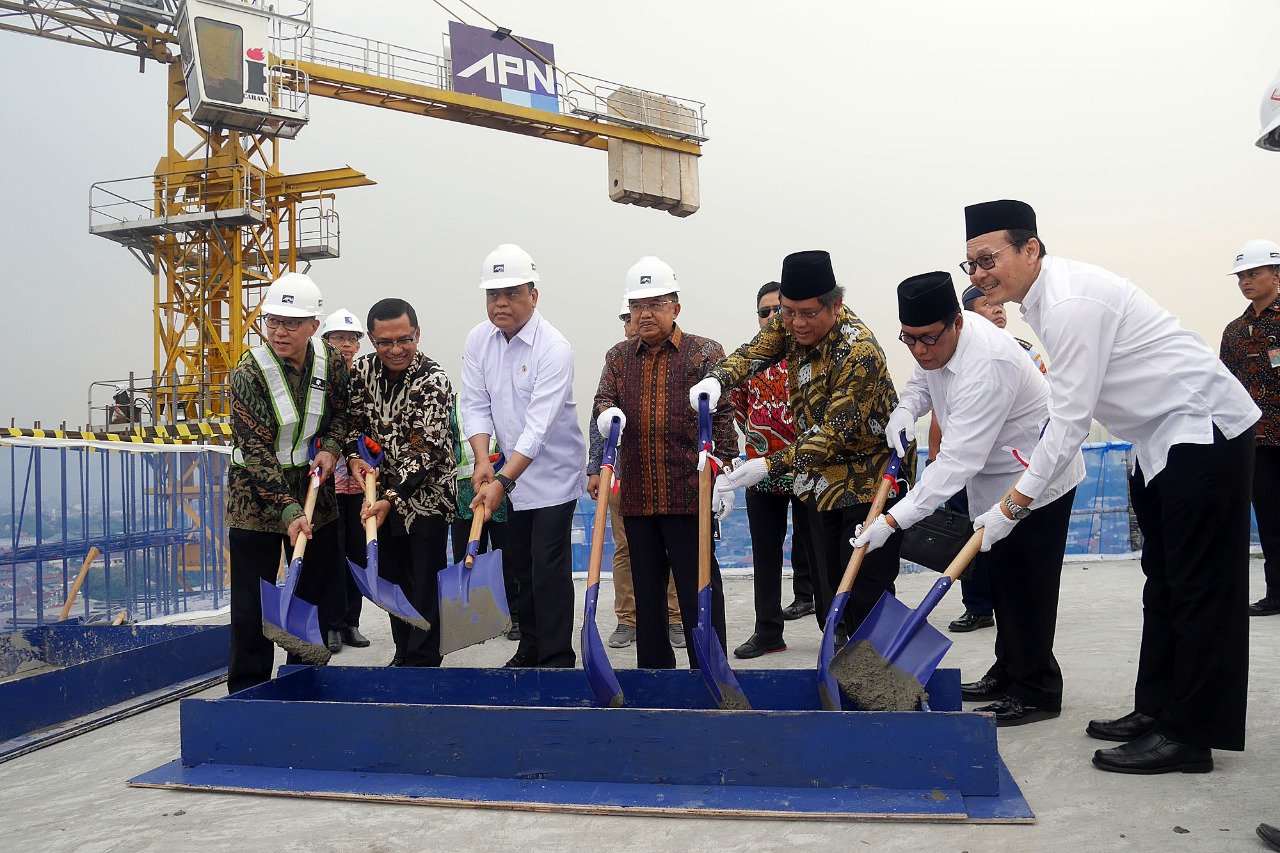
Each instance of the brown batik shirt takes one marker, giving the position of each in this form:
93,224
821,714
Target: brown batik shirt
659,450
410,416
841,396
1250,343
262,494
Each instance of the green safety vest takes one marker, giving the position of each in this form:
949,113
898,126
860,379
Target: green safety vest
294,429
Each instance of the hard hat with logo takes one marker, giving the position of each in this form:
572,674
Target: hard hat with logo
293,294
508,266
651,276
1256,253
342,320
1269,136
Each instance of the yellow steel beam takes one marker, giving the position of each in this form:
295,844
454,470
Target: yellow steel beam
343,85
321,181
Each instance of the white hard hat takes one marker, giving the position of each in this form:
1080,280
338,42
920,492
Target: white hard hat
626,307
508,266
293,294
342,320
651,276
1269,137
1256,253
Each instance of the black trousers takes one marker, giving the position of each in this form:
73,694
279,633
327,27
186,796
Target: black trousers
975,590
831,532
1026,575
1193,669
412,561
342,606
540,552
767,520
493,535
1266,506
665,547
256,555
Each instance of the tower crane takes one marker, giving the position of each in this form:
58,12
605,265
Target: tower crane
218,219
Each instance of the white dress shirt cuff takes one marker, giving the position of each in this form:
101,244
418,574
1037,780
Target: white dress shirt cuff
530,446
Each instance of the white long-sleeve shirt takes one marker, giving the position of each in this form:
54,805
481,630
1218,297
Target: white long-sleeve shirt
521,392
1117,356
990,399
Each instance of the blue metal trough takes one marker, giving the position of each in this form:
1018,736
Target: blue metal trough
56,673
535,739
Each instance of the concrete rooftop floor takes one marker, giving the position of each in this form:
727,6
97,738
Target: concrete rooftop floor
72,795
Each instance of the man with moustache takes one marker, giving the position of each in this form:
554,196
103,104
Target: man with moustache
517,386
1119,357
402,400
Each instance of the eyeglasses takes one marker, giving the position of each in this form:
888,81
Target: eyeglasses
385,344
292,324
651,307
927,340
768,311
788,314
987,261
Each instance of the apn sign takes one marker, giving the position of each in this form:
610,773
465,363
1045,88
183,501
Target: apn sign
503,70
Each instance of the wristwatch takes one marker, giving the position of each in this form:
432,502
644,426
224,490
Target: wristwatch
1018,512
506,482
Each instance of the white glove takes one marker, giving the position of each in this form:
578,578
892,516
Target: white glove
900,421
708,386
605,420
722,499
872,536
744,474
994,524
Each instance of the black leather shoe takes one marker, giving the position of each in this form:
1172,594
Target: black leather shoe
971,622
984,688
1129,727
1154,753
352,637
755,647
797,610
333,639
1265,607
519,661
1012,711
396,661
1270,835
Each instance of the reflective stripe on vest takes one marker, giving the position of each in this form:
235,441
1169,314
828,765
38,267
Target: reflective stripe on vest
291,442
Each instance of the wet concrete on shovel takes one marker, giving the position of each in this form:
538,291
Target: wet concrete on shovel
874,683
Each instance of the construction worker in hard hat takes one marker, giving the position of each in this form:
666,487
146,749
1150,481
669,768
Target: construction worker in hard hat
642,383
1251,351
340,615
286,395
517,387
624,590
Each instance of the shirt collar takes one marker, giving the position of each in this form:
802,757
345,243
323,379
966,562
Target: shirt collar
1273,308
1032,299
526,334
673,341
953,364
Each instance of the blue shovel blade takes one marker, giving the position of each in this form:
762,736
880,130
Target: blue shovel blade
920,646
828,688
595,661
382,592
293,615
473,602
715,670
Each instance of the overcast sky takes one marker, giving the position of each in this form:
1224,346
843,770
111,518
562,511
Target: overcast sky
859,128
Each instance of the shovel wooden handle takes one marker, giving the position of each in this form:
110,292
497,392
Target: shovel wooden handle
75,587
855,559
597,530
965,557
308,509
478,518
370,497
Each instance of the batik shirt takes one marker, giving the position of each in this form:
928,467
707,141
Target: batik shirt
841,396
1251,351
262,495
659,450
762,410
409,415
